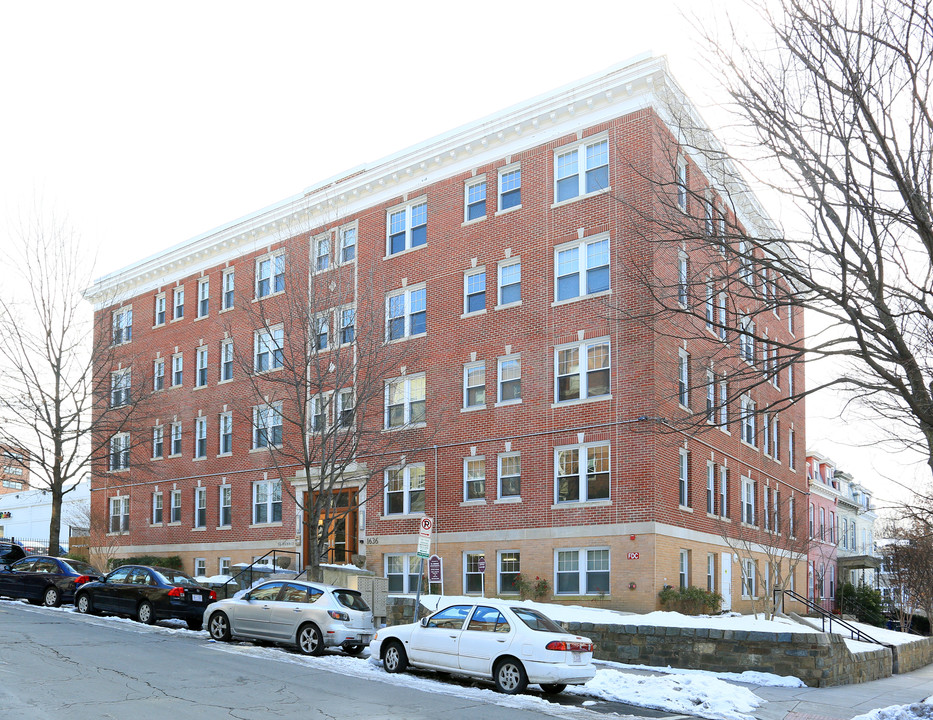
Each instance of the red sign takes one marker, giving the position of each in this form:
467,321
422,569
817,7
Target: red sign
481,564
633,556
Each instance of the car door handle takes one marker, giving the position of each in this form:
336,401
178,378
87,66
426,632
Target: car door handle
296,609
454,637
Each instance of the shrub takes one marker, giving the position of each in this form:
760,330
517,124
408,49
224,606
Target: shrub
690,600
536,589
172,561
864,602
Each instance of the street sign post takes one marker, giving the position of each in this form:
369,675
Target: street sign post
425,528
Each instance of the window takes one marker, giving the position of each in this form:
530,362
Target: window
748,501
120,387
322,254
200,378
570,181
748,420
682,184
683,477
710,397
582,268
120,514
267,502
226,299
408,227
345,407
402,572
474,478
267,349
405,490
766,434
178,367
682,278
474,290
267,425
158,441
822,523
812,521
791,517
708,216
510,282
226,506
790,448
723,491
747,340
510,188
226,360
509,379
178,303
724,405
120,451
790,380
710,308
405,404
710,487
475,202
746,274
317,413
510,565
159,315
406,313
684,569
122,325
204,295
270,275
200,437
321,331
176,439
683,378
711,572
577,379
722,316
473,578
200,567
158,374
510,475
175,509
582,473
348,245
844,535
775,437
225,446
748,578
582,572
156,508
200,507
474,385
347,325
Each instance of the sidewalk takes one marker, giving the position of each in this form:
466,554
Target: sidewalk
845,701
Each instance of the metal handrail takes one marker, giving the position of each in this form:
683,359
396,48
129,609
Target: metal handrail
827,616
261,561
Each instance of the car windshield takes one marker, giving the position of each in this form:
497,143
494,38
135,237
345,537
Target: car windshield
351,599
176,577
537,621
82,568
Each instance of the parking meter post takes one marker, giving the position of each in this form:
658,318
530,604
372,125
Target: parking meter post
418,593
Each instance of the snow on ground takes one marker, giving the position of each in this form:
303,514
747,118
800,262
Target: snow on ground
916,711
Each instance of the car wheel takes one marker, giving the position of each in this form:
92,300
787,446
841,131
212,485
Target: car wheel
553,688
144,613
219,627
52,597
509,676
83,603
310,641
195,623
394,659
353,649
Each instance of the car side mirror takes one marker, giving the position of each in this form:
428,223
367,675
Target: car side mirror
101,578
247,597
424,622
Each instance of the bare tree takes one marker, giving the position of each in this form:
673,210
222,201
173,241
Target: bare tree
909,564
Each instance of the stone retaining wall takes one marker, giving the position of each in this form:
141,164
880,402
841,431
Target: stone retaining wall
913,655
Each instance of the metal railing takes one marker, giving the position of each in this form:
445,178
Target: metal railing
247,576
827,618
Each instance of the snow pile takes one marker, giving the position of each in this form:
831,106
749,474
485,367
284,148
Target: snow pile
916,711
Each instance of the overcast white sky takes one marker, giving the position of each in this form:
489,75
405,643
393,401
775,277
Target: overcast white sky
149,123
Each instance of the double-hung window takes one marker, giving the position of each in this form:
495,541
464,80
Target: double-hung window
710,397
321,329
509,568
683,477
200,507
175,506
510,282
404,490
722,316
159,309
747,340
318,413
204,296
406,313
158,374
158,441
267,349
178,303
345,407
710,487
748,420
270,275
582,473
120,514
766,433
723,491
475,200
682,184
225,445
405,401
748,501
582,572
683,378
509,379
683,278
510,187
267,501
510,475
157,508
122,322
582,370
710,307
474,478
200,437
178,367
226,505
226,359
120,387
200,379
322,253
347,325
120,451
684,574
582,268
226,298
723,405
176,439
407,227
267,425
347,244
474,291
402,571
581,170
474,385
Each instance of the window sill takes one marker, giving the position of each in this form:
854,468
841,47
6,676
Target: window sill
465,223
580,401
158,325
723,429
269,295
507,403
156,458
199,387
172,387
405,337
199,459
685,408
475,313
176,319
685,508
507,500
224,382
412,426
226,309
273,524
578,198
177,523
118,471
578,504
264,449
504,306
500,213
224,527
176,455
155,524
198,529
404,252
201,317
748,445
226,454
473,503
401,516
117,534
578,298
472,408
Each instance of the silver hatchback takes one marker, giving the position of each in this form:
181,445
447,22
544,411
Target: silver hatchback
306,614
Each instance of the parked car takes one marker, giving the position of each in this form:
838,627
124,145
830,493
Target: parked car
511,644
10,552
45,579
147,594
309,615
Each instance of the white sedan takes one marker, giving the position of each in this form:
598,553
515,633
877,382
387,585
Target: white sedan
511,644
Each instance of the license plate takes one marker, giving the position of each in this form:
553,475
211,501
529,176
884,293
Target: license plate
197,598
577,657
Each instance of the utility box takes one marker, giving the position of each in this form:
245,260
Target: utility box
375,590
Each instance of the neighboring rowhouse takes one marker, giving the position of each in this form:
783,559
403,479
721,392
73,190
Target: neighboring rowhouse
533,408
14,470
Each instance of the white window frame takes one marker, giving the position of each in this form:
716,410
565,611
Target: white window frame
317,413
204,297
119,456
710,307
119,511
406,491
226,360
158,508
747,421
158,374
407,313
200,507
749,584
410,578
747,340
723,315
471,565
346,320
178,369
683,477
266,419
582,475
748,501
474,473
121,382
270,269
682,184
507,266
711,572
583,372
507,185
683,378
407,400
473,383
500,474
406,229
174,449
710,487
266,502
723,491
321,331
344,412
160,309
225,493
200,374
472,200
506,364
268,349
321,259
122,325
200,567
348,244
158,442
683,574
583,571
178,302
227,289
710,397
514,558
175,507
471,289
579,265
225,432
200,437
582,168
723,405
683,279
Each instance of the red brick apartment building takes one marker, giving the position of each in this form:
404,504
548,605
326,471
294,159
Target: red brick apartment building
536,417
14,470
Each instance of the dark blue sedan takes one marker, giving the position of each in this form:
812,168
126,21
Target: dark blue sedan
46,580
